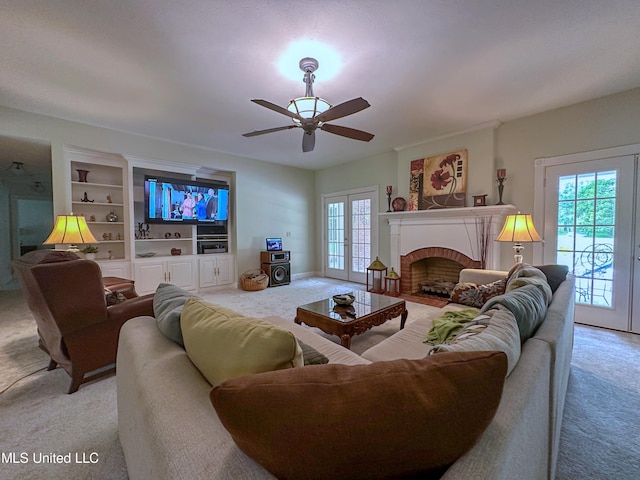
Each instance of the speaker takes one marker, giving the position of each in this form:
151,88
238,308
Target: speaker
283,256
279,273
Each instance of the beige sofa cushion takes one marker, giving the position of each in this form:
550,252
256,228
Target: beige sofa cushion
224,344
383,420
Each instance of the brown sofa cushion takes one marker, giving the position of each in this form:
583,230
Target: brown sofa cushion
382,420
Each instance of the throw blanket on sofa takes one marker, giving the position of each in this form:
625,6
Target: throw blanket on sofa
527,297
446,326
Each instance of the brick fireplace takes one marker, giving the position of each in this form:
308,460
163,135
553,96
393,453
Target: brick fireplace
434,245
432,264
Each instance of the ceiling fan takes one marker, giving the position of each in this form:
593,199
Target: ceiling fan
311,112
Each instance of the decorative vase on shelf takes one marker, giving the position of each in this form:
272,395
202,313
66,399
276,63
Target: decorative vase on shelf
112,217
82,175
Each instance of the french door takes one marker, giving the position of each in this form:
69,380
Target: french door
590,216
350,234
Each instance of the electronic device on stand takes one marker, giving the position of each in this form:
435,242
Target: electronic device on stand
275,263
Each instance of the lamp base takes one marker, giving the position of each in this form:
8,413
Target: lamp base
518,257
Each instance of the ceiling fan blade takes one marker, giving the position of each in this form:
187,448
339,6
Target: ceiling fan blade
268,130
347,132
277,108
308,140
347,108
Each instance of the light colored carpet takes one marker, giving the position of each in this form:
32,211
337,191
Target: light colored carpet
600,432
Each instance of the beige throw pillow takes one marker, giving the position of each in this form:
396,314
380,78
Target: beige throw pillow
224,344
474,295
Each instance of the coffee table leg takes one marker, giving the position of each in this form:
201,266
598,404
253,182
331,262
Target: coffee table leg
403,319
345,341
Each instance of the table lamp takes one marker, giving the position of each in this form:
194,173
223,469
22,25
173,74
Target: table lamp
70,229
518,228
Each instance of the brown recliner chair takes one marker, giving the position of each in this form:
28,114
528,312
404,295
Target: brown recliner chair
76,327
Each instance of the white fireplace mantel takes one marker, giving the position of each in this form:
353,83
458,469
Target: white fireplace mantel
454,228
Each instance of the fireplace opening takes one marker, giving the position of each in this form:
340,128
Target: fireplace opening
432,272
434,276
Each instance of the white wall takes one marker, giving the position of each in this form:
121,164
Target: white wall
272,200
602,123
378,170
259,185
36,227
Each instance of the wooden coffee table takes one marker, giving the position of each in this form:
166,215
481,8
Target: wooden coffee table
367,311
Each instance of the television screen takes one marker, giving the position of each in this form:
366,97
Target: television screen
170,200
274,244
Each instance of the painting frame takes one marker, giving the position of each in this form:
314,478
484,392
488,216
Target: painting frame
439,181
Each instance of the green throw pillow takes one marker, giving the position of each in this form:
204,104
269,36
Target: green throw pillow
224,344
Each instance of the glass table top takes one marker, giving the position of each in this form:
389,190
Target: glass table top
364,304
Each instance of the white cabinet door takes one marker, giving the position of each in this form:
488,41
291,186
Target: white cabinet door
216,269
182,273
148,276
207,267
225,271
115,269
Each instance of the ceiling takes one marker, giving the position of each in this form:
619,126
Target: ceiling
186,70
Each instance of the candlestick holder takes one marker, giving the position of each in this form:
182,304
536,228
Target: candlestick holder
389,191
500,190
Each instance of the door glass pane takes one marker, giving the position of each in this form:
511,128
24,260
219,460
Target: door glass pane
586,229
361,235
335,235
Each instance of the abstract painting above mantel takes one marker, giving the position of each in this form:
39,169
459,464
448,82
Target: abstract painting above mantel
439,181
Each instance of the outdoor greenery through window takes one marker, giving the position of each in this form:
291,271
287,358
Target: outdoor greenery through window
586,232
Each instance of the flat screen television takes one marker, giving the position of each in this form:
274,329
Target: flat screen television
274,244
177,201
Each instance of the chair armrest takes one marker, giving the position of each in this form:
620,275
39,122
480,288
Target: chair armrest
134,307
121,285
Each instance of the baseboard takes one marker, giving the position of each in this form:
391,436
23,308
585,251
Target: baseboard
300,276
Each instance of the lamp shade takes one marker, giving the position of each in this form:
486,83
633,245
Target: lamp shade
70,229
519,229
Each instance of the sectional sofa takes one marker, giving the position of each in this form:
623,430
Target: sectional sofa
169,429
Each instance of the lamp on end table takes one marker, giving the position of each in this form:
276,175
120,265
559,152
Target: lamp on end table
519,229
71,229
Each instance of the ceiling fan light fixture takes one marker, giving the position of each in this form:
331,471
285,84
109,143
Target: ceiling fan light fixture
308,107
17,169
311,112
